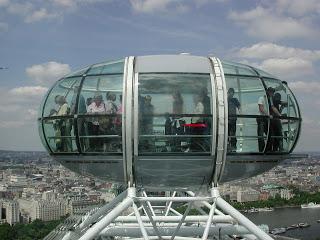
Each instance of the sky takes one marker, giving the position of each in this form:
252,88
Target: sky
41,41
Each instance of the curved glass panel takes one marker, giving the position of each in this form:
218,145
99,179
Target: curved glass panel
293,128
107,68
42,136
40,109
100,114
292,107
264,74
246,133
62,97
78,73
59,135
237,69
174,113
283,131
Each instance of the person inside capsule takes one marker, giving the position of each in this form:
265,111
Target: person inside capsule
108,122
197,123
277,125
147,111
233,105
96,107
262,123
62,126
176,121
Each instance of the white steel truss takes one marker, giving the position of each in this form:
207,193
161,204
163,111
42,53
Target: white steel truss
135,215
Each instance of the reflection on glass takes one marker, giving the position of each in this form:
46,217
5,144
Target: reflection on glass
100,126
237,69
64,92
248,138
245,94
107,68
100,133
59,134
267,128
174,113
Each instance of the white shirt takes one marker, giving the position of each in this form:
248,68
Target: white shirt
198,110
111,108
63,110
262,101
93,108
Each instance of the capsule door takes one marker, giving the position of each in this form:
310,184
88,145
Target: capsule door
173,122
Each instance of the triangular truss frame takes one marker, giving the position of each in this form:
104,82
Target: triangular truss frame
135,215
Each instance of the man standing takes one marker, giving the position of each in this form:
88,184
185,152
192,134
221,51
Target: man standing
262,123
233,105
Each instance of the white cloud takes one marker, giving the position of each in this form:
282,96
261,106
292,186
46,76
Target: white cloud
161,6
72,4
288,67
34,11
150,6
3,27
39,15
279,60
298,7
266,23
11,124
47,73
156,6
266,50
19,105
306,87
65,3
29,13
3,3
21,9
28,91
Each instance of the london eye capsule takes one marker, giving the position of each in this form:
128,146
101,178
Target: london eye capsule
170,121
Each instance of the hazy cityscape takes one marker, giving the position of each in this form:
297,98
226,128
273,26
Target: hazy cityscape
33,187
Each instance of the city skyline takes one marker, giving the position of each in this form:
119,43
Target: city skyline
42,41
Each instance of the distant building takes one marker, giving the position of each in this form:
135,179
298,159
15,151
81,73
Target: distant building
18,178
248,195
48,210
25,209
37,177
9,211
286,194
272,189
49,196
264,195
81,206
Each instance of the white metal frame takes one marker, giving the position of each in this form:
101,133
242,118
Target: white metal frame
127,114
222,119
132,215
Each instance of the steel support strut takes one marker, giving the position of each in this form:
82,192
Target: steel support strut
163,221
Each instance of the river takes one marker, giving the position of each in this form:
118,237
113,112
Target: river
283,217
